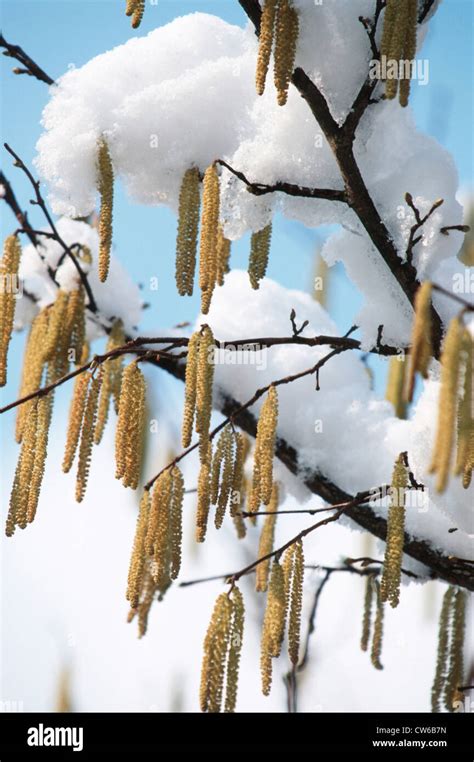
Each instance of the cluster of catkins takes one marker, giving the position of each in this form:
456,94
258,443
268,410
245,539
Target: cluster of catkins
455,427
278,32
56,339
388,589
398,45
135,9
156,553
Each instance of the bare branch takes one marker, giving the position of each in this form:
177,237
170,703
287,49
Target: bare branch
31,67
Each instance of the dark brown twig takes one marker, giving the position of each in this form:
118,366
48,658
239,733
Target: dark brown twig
30,66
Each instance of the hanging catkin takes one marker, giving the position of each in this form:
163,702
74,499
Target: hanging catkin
266,542
137,560
265,43
216,646
421,341
242,449
259,253
367,616
377,637
87,436
176,521
161,528
223,256
455,674
235,647
32,366
43,420
443,653
273,624
75,328
465,417
17,515
190,389
188,226
222,472
264,452
105,186
398,45
56,324
447,408
111,379
209,231
130,426
137,13
396,386
204,381
295,601
9,265
392,567
76,414
204,500
286,38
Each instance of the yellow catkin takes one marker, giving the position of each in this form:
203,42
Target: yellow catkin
225,473
216,645
469,467
259,253
32,366
75,328
43,421
209,231
161,501
390,16
76,414
392,567
204,381
409,49
264,451
242,448
9,265
87,436
111,379
465,417
176,521
395,48
396,386
266,543
273,624
367,616
190,389
204,501
377,638
130,6
447,409
217,460
147,596
421,339
265,44
223,256
188,226
105,186
286,38
296,602
57,321
137,15
443,653
235,647
130,426
454,677
18,511
137,560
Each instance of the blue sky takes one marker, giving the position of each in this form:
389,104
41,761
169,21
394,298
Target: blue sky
68,33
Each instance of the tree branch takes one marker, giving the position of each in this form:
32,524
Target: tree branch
31,67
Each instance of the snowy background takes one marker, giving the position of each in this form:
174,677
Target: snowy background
63,579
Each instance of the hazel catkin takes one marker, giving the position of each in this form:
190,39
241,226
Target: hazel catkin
9,265
105,185
286,38
209,237
188,226
259,253
390,584
265,43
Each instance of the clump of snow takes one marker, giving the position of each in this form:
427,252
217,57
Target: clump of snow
118,297
343,430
